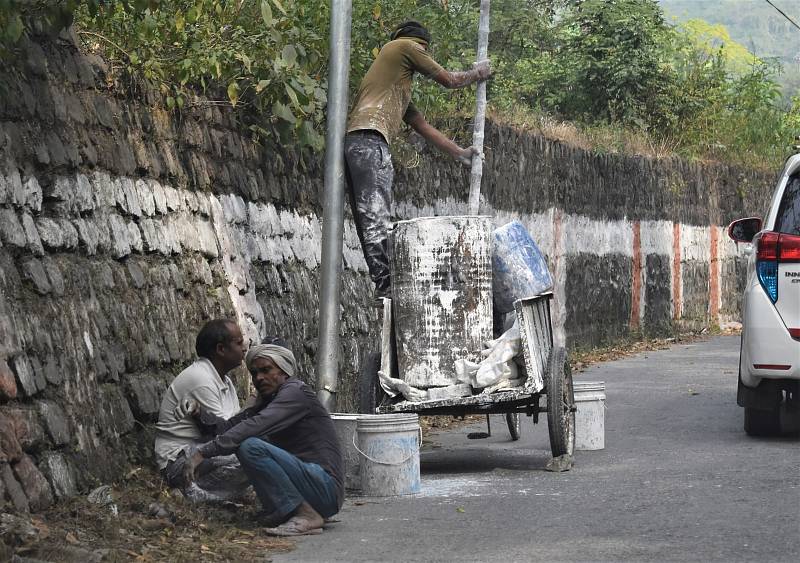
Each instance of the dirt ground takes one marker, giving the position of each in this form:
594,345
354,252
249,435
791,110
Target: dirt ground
139,519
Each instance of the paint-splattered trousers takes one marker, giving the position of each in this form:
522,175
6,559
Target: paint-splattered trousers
369,178
218,479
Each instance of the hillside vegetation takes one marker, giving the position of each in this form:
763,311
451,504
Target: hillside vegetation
754,24
611,75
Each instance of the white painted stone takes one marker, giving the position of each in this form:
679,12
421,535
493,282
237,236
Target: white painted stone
152,242
205,271
202,204
285,218
134,237
173,199
190,199
582,235
119,193
227,207
87,233
239,210
173,243
247,246
146,201
105,190
208,239
69,233
656,237
14,187
159,197
695,243
11,230
274,220
258,219
34,243
727,248
62,189
50,233
304,246
83,200
188,234
132,206
120,247
284,249
33,194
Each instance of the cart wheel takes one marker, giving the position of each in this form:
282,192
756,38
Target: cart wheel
560,404
370,393
514,427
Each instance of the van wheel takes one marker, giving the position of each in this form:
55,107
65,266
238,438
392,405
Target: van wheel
761,423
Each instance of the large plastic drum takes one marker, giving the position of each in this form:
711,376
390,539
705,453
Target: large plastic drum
519,269
442,295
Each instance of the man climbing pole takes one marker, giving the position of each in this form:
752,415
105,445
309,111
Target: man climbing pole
382,101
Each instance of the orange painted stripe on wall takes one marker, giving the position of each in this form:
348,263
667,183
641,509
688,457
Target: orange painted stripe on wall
677,297
713,276
636,285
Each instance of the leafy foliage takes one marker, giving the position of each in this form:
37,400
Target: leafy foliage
602,64
754,24
263,55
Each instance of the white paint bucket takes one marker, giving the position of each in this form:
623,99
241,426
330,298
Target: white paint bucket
389,448
441,295
345,425
590,425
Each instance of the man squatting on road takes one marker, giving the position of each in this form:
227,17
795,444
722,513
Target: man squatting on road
287,446
220,348
382,101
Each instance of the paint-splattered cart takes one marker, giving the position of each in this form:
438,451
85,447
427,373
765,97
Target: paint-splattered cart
546,388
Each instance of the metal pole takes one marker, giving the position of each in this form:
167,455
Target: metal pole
333,212
480,113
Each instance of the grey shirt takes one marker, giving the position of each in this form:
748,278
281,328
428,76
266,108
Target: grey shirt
214,394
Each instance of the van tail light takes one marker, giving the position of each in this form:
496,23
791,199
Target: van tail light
789,246
795,333
771,249
767,263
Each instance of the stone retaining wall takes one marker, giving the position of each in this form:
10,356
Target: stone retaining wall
124,227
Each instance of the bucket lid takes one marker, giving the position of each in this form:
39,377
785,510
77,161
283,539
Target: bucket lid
345,416
366,421
586,386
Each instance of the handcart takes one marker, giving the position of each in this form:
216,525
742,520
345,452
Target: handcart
548,377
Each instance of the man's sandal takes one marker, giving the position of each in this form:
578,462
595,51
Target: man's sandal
292,528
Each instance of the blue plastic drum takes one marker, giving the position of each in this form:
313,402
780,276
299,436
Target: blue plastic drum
519,268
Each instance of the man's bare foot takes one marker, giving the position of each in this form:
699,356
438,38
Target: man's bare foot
307,517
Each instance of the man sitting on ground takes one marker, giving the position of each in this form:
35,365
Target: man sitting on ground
220,348
287,445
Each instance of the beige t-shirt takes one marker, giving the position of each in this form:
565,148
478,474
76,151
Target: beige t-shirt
213,394
384,96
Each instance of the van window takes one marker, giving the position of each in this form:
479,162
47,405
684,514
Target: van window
788,220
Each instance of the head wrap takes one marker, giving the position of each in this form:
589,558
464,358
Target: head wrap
283,357
411,29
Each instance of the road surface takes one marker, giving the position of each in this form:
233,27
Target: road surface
678,481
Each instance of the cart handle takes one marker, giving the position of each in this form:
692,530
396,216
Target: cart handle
373,460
